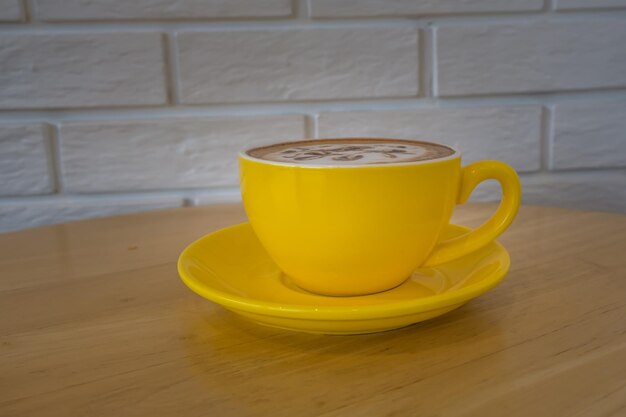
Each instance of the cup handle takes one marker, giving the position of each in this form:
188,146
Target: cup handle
471,176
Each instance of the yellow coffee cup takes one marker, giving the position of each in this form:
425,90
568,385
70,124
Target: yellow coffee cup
363,228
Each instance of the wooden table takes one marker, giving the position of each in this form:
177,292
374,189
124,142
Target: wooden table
94,321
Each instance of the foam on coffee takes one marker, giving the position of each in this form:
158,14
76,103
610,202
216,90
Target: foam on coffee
353,151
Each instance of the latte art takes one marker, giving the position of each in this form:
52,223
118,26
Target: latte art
351,152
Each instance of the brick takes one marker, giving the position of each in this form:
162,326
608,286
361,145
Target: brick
81,70
10,11
363,8
589,4
590,135
24,164
531,57
309,64
511,134
65,10
165,154
593,190
22,215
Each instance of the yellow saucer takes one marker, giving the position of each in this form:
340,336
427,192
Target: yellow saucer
231,268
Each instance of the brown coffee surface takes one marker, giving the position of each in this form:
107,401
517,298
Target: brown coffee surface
353,151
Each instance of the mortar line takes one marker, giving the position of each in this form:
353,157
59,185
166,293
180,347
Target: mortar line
27,10
172,70
56,162
550,5
309,128
434,82
300,9
306,107
547,138
316,126
424,56
129,26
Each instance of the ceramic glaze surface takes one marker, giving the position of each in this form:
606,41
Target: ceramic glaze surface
231,268
354,230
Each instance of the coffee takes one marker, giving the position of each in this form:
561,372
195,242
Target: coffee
353,151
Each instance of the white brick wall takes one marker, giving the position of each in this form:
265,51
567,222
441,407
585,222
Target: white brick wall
24,162
310,64
586,133
81,70
115,106
157,155
531,57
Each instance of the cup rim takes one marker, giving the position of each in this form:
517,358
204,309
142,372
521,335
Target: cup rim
244,154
